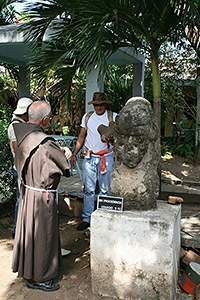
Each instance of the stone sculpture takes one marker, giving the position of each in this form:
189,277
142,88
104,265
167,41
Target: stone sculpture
136,173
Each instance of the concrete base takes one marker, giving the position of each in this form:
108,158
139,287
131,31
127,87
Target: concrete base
136,254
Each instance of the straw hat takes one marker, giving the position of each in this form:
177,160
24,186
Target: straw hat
99,98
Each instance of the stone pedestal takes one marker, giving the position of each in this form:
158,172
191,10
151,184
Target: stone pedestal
135,254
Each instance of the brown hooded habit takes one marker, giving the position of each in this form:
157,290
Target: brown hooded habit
40,164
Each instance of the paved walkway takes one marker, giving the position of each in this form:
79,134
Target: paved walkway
190,215
73,184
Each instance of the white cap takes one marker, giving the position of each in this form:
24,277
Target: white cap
22,106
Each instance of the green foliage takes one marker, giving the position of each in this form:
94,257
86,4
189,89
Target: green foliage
7,182
53,127
183,141
178,72
86,32
179,98
7,12
65,130
118,85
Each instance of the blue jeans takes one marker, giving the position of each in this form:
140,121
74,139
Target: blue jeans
17,201
91,174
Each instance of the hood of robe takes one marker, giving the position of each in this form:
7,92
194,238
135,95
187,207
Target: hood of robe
22,130
28,137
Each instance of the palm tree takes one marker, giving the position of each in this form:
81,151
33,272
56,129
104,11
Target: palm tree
190,20
7,12
88,31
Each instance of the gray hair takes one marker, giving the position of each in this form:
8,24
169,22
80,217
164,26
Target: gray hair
38,110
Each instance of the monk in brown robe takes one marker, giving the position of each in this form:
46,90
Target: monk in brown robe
40,164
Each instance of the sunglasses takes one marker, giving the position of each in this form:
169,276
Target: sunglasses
102,104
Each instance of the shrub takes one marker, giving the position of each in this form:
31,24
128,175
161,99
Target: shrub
7,182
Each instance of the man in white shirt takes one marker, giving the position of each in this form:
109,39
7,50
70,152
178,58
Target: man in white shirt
19,116
99,158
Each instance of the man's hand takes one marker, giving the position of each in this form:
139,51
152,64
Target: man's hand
104,139
73,161
107,140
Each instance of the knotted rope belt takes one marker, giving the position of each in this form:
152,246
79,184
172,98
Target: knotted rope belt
42,190
102,157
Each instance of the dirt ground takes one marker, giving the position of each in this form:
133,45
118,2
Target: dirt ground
75,275
178,168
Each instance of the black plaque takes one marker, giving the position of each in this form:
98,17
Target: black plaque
110,203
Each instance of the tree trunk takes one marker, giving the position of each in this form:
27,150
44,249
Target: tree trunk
157,107
156,92
197,144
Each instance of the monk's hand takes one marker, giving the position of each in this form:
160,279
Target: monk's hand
67,152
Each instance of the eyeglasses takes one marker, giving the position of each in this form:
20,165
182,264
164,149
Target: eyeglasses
49,118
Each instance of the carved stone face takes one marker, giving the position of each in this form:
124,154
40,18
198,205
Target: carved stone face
135,129
131,149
